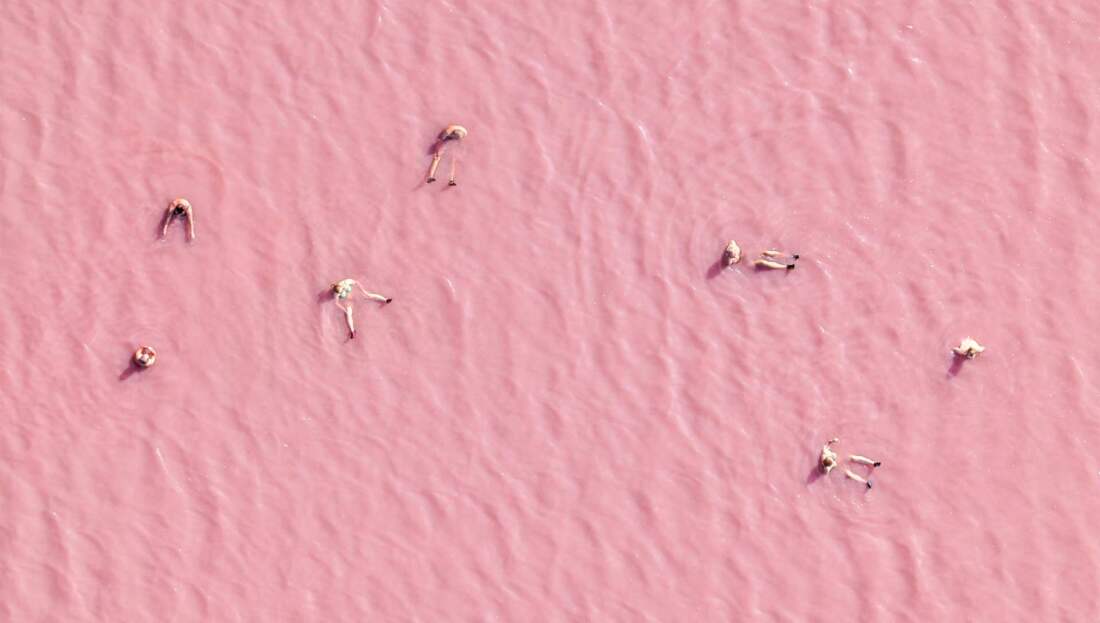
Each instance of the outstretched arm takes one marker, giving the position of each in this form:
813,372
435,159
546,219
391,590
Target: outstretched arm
191,223
167,221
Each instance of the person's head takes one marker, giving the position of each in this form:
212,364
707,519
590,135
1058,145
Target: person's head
828,461
145,356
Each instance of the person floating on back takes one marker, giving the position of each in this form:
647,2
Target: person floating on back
342,290
449,133
181,208
969,348
775,260
829,459
731,255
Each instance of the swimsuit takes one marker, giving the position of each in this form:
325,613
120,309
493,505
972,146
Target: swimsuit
343,288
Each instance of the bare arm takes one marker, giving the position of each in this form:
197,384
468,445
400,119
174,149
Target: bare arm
167,221
191,223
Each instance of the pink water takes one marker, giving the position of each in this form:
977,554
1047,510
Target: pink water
567,414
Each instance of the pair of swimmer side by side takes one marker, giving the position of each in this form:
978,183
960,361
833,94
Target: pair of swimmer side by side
829,459
146,356
771,258
342,291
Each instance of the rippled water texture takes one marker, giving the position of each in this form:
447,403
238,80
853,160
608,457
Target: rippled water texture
568,413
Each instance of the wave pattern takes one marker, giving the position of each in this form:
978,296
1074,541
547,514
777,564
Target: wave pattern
569,412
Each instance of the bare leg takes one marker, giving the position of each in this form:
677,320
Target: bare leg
190,225
436,157
862,460
771,264
454,167
857,478
372,295
351,321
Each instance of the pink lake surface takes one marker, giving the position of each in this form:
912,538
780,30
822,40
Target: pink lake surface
568,413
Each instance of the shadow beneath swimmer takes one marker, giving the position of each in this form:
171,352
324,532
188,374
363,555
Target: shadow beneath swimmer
956,366
717,268
814,475
130,370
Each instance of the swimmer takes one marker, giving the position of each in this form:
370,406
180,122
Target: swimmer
969,348
145,356
343,289
828,458
449,133
857,477
775,260
731,255
181,208
862,460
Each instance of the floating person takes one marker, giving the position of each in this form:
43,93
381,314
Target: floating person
862,460
828,459
856,477
732,254
969,348
775,260
181,208
449,133
145,357
343,289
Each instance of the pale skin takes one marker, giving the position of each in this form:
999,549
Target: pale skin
145,357
828,459
857,477
181,208
348,313
449,133
775,260
969,348
862,460
732,254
